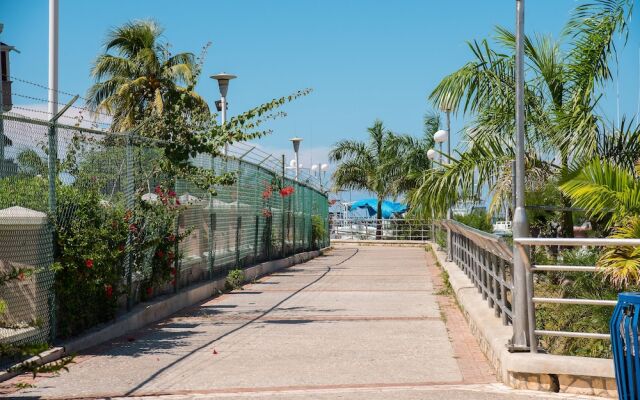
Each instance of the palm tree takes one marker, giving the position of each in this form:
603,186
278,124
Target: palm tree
367,165
410,160
141,76
611,192
561,93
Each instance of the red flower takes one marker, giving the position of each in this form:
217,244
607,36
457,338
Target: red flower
172,193
172,271
160,253
89,263
108,289
266,212
286,191
149,291
121,247
158,190
177,202
133,228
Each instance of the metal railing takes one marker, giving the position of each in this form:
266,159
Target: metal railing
486,260
379,229
521,244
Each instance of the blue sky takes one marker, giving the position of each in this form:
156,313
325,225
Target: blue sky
365,59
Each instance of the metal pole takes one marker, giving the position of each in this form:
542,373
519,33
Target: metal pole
223,116
53,100
3,73
284,249
53,142
520,341
297,166
449,245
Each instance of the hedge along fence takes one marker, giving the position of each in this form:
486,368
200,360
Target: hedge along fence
98,228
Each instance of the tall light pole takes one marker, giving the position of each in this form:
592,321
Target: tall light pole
440,137
53,100
296,148
449,241
223,84
521,276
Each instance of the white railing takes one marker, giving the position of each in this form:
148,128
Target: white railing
379,229
522,244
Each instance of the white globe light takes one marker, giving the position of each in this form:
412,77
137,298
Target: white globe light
431,154
441,136
314,167
324,167
292,163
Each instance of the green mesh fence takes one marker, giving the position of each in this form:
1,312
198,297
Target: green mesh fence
97,231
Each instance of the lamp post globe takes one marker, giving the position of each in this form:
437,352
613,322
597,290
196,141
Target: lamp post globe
441,136
431,154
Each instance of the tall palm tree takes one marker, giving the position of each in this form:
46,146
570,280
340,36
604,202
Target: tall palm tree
137,76
561,92
366,165
410,159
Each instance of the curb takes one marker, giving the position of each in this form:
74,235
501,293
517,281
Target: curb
147,313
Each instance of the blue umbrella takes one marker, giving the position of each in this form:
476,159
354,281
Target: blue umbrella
389,208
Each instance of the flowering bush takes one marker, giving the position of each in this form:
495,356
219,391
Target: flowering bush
90,259
286,191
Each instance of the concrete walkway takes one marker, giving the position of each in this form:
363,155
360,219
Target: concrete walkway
358,323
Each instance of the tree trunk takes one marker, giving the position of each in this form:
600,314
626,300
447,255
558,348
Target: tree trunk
566,224
566,227
379,220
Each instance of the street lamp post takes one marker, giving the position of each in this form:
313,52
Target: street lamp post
522,279
296,148
449,241
223,84
440,137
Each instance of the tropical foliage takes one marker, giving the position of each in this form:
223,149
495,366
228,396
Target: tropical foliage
138,76
563,88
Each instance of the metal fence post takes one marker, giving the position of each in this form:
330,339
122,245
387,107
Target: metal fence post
212,243
238,227
53,174
255,240
130,201
284,249
176,259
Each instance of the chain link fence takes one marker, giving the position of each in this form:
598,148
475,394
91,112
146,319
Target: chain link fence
90,225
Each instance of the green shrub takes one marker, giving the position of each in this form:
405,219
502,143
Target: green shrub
576,318
318,231
235,279
477,218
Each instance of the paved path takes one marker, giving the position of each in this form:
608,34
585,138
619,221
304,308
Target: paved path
367,323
